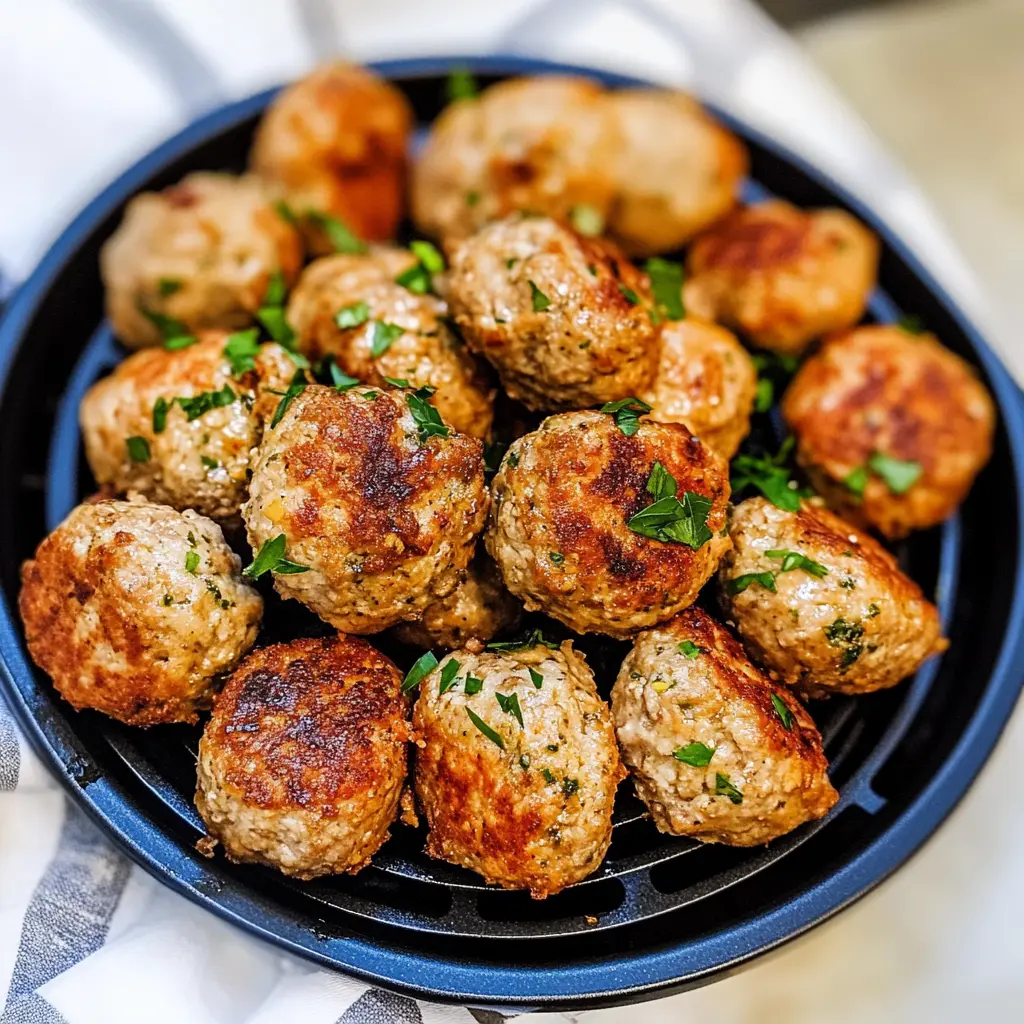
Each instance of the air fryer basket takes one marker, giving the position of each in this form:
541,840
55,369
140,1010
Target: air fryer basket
661,912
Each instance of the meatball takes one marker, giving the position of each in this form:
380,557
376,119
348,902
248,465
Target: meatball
516,766
135,610
677,170
891,427
820,605
362,289
565,319
706,381
334,144
605,532
379,505
546,145
178,427
478,609
716,751
782,276
199,254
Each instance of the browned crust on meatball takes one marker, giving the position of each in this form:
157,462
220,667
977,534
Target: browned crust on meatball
880,389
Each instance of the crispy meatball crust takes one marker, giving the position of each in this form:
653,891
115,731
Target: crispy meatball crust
677,170
706,381
477,609
766,776
863,626
201,252
335,143
538,144
535,813
115,617
565,320
427,351
558,527
385,523
880,389
782,276
302,763
201,463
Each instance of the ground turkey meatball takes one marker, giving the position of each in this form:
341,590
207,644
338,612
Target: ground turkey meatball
478,609
178,427
516,766
334,143
547,145
782,276
820,605
678,170
564,499
302,764
891,427
135,610
716,751
380,505
565,319
199,254
361,292
705,380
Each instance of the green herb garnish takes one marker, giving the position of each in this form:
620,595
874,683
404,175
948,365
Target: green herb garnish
910,324
138,449
448,675
383,336
667,287
241,350
538,299
847,636
723,787
494,452
794,560
159,415
168,286
208,462
509,703
537,678
696,755
740,583
570,786
192,562
899,475
627,413
531,640
200,404
341,381
270,558
338,233
419,278
770,474
556,557
428,419
295,388
587,220
782,710
473,685
274,320
461,85
425,664
485,728
668,519
689,649
629,295
352,316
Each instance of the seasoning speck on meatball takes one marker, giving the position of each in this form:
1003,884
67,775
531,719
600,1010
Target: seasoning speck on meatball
516,766
302,764
715,750
822,606
136,610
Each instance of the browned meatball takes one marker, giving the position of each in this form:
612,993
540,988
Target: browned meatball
891,427
179,427
545,145
565,319
516,771
574,532
136,610
302,764
706,381
201,253
782,276
677,170
716,751
821,605
362,292
335,143
478,609
379,506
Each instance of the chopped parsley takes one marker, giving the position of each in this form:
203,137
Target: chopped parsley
847,636
629,295
138,449
352,316
587,220
472,197
419,278
200,404
669,520
449,675
910,324
524,762
509,703
897,474
794,560
174,333
425,664
494,452
856,480
339,234
740,583
531,640
461,85
771,475
773,373
285,212
276,291
295,388
473,685
627,413
513,459
397,382
556,557
341,381
667,287
428,419
538,299
176,344
159,415
570,786
241,350
549,775
270,558
723,787
274,320
192,562
688,649
536,678
168,286
696,755
383,336
208,462
485,728
782,710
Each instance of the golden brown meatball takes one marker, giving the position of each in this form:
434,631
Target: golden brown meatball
891,427
820,605
706,381
377,502
178,427
516,766
135,610
302,764
564,319
677,170
477,609
545,145
199,254
362,290
782,276
574,532
334,144
716,751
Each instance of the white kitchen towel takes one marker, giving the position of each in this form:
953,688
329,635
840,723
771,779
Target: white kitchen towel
87,85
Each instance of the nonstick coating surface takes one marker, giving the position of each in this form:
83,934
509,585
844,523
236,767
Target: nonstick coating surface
669,913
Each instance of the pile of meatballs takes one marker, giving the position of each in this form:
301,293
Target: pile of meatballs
533,406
